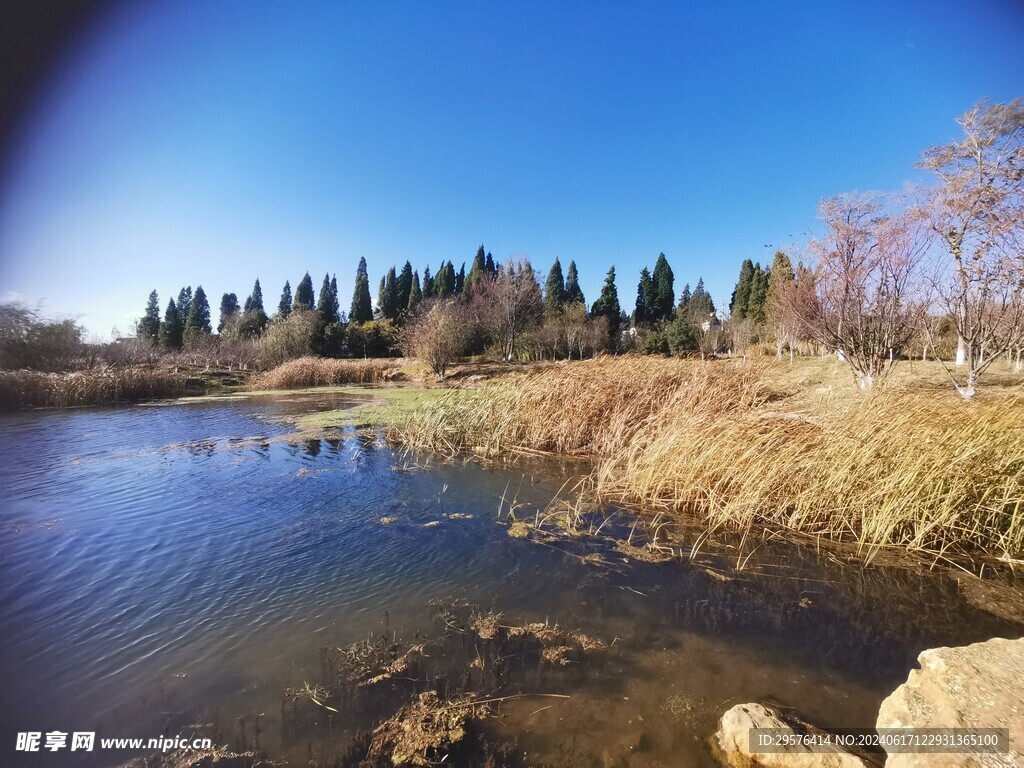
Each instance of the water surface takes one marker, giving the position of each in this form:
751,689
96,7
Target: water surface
174,567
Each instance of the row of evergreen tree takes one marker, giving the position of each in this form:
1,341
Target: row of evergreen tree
400,292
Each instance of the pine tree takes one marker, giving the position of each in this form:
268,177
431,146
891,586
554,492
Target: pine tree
284,307
228,309
573,292
428,282
184,305
478,269
198,323
149,326
554,291
607,305
684,299
663,303
326,304
416,294
257,296
644,298
362,306
304,298
700,306
741,296
171,328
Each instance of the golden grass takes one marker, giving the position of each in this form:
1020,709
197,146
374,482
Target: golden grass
34,389
754,444
324,372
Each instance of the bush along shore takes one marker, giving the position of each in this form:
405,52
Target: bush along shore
741,448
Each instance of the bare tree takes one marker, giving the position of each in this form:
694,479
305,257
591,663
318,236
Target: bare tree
978,212
437,337
867,304
509,305
741,334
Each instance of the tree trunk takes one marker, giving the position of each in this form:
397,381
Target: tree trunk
961,350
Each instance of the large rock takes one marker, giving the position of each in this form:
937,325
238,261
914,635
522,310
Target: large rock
976,686
731,743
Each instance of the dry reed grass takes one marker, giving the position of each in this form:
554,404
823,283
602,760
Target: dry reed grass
324,372
34,389
739,447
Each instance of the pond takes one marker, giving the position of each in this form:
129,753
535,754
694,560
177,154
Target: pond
177,568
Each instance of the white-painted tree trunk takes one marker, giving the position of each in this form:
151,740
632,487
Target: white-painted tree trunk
961,351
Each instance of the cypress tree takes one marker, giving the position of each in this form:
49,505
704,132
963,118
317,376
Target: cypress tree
416,294
781,272
149,326
478,269
554,291
644,298
284,307
362,307
171,328
573,292
490,266
663,302
607,305
428,282
228,309
758,294
741,295
444,283
304,298
404,288
460,279
335,304
389,296
326,304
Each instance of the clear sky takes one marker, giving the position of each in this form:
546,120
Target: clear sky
187,142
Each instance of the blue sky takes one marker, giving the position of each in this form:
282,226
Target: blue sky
214,142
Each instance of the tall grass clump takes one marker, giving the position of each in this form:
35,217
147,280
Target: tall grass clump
324,372
719,440
35,389
589,408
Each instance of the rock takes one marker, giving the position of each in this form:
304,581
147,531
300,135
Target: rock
731,742
975,686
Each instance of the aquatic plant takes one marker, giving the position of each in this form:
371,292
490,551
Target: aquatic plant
741,447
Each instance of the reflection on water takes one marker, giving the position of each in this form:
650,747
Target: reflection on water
169,567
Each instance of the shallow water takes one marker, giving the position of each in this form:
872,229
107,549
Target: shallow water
172,568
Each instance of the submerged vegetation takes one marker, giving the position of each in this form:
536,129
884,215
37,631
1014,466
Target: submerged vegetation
742,449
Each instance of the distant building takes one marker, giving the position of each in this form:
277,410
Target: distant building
712,324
